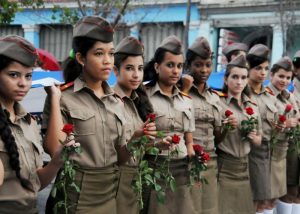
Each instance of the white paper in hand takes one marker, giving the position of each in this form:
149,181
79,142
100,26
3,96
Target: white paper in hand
48,81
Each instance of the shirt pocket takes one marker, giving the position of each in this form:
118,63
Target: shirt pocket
161,121
271,113
84,122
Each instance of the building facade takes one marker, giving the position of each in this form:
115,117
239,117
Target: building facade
274,23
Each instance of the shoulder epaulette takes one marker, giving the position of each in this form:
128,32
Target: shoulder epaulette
65,86
219,93
118,96
185,94
253,103
269,91
33,116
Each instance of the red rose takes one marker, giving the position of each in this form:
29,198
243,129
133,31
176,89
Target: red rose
198,149
151,117
175,139
68,128
249,111
288,108
282,118
228,113
205,157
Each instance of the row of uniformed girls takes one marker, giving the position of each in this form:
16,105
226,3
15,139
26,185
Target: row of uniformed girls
244,175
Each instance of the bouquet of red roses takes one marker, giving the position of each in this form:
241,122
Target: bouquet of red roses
199,164
249,124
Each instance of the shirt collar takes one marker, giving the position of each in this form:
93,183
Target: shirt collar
156,89
118,90
79,84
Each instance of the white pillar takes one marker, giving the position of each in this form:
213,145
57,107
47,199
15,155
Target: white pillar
277,46
32,34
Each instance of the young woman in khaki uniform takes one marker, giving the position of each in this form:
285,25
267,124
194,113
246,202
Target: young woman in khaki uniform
207,120
235,194
174,115
292,198
259,157
98,116
293,157
280,76
20,140
129,70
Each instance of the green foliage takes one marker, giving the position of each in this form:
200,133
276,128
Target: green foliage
66,179
8,9
148,176
294,137
247,126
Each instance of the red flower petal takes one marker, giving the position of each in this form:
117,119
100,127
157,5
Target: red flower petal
228,113
282,118
175,139
68,128
249,111
288,108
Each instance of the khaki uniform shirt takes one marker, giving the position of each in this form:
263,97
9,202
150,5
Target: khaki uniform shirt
207,116
98,123
13,197
297,91
233,143
133,119
174,115
284,98
267,106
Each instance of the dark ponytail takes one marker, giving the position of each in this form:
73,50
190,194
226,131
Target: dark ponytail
71,68
12,149
142,104
254,60
149,70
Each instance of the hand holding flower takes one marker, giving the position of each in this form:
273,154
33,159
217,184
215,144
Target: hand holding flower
292,122
249,125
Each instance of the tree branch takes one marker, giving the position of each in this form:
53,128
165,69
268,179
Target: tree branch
121,13
82,11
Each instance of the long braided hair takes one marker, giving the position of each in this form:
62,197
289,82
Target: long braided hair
8,139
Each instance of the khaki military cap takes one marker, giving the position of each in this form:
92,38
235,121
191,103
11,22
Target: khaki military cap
201,48
172,44
234,47
94,27
259,50
18,49
131,46
285,63
239,61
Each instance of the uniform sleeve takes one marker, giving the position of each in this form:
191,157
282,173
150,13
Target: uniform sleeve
189,118
46,113
121,124
218,114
